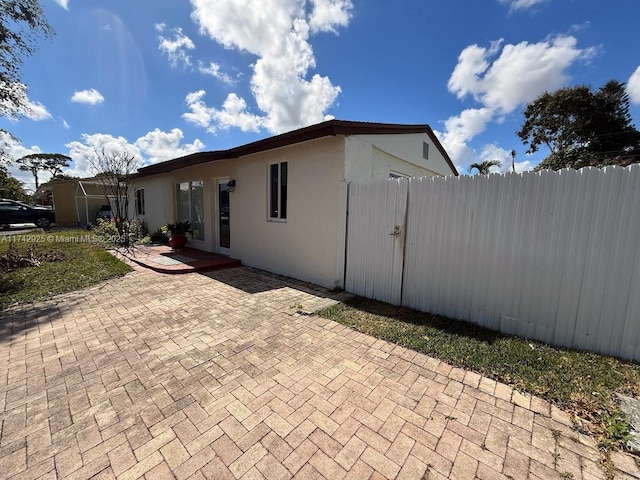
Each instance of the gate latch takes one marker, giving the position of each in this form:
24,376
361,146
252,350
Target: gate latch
396,231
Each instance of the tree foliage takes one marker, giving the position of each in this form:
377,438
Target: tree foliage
47,162
11,187
21,23
116,173
484,168
63,176
581,127
6,139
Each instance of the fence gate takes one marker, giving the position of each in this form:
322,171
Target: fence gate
375,239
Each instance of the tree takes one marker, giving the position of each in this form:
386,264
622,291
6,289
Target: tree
484,168
63,176
11,187
48,162
21,23
116,173
581,127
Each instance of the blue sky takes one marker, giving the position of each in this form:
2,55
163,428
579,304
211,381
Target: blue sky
166,78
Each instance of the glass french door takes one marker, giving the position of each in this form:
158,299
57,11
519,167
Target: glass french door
223,220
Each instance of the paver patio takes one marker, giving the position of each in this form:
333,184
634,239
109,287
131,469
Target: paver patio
219,376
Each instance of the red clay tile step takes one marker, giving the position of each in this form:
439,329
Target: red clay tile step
164,259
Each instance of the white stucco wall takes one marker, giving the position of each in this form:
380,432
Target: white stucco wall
160,201
304,246
154,201
373,157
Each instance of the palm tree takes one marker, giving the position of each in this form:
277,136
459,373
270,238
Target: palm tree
484,167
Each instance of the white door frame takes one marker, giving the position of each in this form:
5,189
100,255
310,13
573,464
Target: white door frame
218,249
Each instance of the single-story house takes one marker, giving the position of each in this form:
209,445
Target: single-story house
275,203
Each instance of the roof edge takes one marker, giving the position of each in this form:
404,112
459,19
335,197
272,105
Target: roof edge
312,132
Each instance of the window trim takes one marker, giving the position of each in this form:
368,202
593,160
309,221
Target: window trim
140,211
279,218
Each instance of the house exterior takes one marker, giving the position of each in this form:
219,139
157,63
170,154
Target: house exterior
279,204
75,201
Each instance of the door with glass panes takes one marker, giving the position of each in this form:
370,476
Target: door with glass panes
223,225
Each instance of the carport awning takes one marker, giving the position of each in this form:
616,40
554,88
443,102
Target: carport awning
82,194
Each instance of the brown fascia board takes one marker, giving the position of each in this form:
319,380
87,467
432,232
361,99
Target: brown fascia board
324,129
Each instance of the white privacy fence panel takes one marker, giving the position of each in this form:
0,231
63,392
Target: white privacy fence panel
375,239
553,256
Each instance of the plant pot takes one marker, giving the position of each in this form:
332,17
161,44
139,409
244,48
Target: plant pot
177,241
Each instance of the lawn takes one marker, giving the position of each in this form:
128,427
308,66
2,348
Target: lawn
68,261
583,384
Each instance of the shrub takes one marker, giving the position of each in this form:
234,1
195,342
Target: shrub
159,236
107,231
137,230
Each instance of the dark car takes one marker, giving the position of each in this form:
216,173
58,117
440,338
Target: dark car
104,213
13,212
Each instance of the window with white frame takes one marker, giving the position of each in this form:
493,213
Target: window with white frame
140,201
190,199
278,191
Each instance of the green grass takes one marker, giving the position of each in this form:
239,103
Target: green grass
583,384
84,264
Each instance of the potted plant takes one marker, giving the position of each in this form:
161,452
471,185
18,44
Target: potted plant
178,233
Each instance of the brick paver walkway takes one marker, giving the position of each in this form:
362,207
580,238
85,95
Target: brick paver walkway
220,377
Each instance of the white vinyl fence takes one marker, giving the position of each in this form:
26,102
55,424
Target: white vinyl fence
552,256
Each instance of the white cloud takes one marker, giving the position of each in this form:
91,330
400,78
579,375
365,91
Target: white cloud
200,114
233,113
578,27
175,48
63,3
65,124
213,69
502,78
27,109
159,146
494,152
80,151
490,152
326,15
462,128
525,166
153,147
277,33
519,74
36,111
88,97
633,86
13,149
521,4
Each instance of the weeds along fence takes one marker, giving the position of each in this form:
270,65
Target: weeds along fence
551,256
